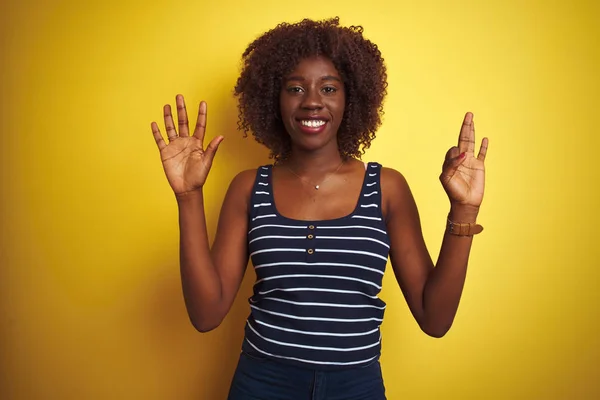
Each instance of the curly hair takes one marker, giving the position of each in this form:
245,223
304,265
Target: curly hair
269,58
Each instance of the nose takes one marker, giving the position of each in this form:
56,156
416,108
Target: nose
312,100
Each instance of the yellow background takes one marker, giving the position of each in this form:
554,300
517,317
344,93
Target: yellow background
91,306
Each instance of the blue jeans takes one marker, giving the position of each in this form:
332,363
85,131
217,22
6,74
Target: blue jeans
264,379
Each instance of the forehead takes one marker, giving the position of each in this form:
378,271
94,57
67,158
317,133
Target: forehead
314,67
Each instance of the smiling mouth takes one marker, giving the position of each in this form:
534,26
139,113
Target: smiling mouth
312,123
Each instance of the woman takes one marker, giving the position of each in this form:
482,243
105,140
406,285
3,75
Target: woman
317,224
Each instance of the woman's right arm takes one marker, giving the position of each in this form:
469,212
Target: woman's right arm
210,278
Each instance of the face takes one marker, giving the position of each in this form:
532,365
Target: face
312,103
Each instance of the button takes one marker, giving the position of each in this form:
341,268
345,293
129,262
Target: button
310,236
310,251
311,227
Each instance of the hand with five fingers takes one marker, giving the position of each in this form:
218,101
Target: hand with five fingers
463,173
185,160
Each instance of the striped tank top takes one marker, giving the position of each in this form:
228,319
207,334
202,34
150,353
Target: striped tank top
315,300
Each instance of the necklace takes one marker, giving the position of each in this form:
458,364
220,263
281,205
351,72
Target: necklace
323,181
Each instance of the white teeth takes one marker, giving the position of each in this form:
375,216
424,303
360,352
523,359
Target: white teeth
313,123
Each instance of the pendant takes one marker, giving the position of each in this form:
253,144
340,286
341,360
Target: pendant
317,187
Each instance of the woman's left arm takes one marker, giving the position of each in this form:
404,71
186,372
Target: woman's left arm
433,292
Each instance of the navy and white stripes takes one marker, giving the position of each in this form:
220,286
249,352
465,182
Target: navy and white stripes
315,300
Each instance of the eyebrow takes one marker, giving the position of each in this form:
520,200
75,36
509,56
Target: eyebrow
323,78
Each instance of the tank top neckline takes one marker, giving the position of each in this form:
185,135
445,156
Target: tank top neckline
275,210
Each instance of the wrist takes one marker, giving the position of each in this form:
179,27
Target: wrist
462,221
463,213
190,195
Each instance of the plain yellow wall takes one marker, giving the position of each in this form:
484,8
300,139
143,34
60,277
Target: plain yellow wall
91,306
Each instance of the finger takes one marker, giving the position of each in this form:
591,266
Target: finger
483,149
201,122
451,154
455,161
182,118
171,132
466,139
157,136
212,147
451,165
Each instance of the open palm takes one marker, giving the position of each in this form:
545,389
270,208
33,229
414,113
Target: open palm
463,173
185,161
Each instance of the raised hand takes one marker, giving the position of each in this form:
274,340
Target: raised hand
185,161
463,174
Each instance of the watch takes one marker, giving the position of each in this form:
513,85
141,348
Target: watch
455,228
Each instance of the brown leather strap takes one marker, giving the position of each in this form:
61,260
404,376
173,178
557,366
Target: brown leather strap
458,229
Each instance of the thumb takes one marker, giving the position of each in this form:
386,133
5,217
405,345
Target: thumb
213,146
454,158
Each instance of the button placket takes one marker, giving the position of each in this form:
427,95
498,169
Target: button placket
310,240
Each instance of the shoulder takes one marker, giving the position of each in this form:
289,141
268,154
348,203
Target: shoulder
245,177
243,181
393,181
395,191
239,193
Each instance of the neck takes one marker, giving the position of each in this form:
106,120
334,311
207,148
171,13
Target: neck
314,162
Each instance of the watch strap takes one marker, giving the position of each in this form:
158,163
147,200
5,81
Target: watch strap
458,229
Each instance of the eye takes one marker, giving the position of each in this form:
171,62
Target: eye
295,89
329,89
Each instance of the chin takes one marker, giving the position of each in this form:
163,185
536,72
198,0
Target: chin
315,142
